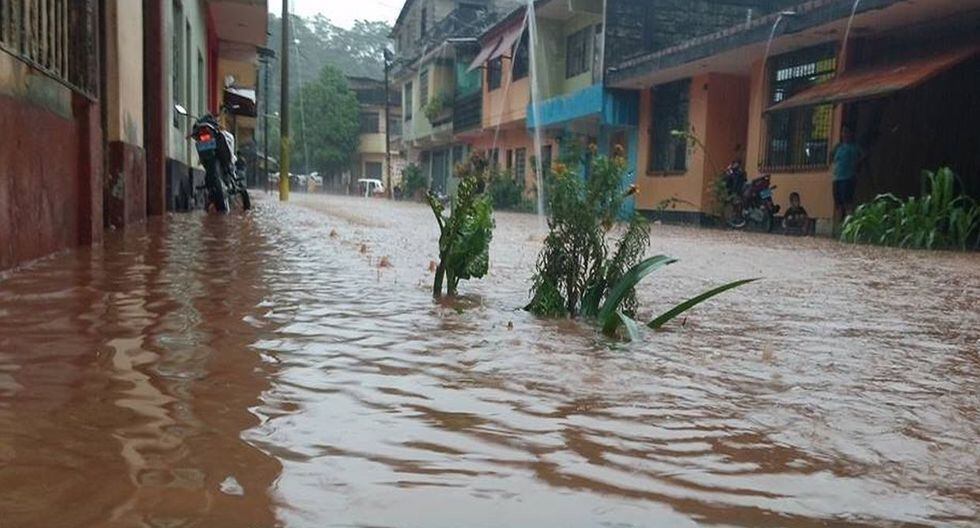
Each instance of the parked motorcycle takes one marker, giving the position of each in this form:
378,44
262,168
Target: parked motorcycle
754,207
223,185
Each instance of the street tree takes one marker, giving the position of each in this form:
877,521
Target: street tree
326,123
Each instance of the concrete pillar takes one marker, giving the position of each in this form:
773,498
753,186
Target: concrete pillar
155,101
88,117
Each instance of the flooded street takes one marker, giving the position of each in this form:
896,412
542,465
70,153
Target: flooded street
289,368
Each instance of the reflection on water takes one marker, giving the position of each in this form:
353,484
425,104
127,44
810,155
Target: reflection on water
267,371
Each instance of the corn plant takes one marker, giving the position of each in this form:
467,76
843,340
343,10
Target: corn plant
464,235
939,218
577,273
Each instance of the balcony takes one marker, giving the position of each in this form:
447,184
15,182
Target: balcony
467,113
371,144
613,107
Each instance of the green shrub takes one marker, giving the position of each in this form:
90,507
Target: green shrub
577,273
436,105
464,239
508,193
414,183
939,218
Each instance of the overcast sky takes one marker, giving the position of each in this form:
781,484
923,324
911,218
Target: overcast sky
343,12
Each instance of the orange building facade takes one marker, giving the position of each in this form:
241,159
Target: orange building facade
901,82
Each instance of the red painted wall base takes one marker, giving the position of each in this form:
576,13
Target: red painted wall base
125,185
50,179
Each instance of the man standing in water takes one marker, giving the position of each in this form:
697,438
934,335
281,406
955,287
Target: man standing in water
847,158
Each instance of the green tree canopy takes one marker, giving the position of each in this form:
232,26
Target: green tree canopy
317,43
325,124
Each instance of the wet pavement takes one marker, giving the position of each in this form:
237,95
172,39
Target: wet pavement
288,368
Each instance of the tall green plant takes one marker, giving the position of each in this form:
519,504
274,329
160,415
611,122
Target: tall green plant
414,182
939,218
464,239
573,270
577,273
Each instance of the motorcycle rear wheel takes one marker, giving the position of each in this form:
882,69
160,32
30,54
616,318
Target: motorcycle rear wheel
216,192
767,223
246,200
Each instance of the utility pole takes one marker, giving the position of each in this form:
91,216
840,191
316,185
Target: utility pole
284,107
387,59
265,56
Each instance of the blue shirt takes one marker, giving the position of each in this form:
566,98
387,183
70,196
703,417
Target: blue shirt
846,158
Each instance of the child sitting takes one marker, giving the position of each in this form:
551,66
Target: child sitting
795,220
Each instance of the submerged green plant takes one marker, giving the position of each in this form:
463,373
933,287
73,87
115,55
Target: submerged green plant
414,182
573,270
464,240
939,218
577,274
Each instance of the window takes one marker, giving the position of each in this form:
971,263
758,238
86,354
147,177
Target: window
577,52
522,58
671,102
495,71
546,157
189,72
407,104
424,88
799,137
423,29
597,40
57,37
201,97
373,170
520,165
493,158
370,122
467,82
177,59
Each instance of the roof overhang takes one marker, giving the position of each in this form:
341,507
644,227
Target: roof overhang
241,101
240,25
502,45
736,49
880,81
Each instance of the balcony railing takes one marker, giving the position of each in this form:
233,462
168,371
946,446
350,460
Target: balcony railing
56,37
467,112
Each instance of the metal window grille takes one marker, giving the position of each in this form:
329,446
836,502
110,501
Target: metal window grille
671,105
56,37
799,138
370,122
408,101
495,71
424,87
520,165
522,58
577,52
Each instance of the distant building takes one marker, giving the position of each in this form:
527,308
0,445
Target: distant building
370,160
435,41
576,40
87,95
906,82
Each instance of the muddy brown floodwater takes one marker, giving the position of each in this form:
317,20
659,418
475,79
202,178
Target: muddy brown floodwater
288,368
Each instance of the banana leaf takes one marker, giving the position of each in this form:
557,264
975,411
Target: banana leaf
694,301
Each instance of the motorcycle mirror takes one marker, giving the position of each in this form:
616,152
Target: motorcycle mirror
180,109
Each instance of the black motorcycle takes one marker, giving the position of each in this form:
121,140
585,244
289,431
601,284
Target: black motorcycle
223,185
754,206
